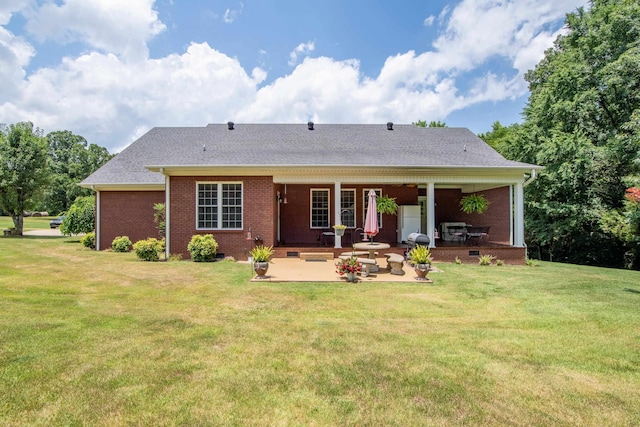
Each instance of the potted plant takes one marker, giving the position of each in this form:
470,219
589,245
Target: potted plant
349,267
474,203
260,255
339,229
386,205
420,257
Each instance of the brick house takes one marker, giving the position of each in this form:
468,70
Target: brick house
289,183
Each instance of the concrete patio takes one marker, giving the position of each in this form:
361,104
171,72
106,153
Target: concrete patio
298,270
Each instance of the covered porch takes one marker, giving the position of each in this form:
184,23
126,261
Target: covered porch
307,207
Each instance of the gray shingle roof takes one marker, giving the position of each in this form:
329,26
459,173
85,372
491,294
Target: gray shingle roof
294,144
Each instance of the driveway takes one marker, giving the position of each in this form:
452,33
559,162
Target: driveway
48,232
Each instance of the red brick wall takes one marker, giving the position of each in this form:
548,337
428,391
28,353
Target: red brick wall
295,215
497,216
259,203
127,213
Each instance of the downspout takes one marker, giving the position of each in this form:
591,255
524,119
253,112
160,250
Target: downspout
97,225
530,179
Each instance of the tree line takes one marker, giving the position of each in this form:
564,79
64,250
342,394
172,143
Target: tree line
582,123
41,172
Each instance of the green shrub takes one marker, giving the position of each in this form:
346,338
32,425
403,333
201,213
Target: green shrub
420,255
474,203
202,248
149,249
121,244
160,218
386,205
175,257
261,253
485,259
80,218
89,240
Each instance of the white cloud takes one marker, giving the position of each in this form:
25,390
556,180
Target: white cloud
112,99
301,49
104,98
443,14
231,15
9,7
477,29
316,90
122,27
15,54
429,21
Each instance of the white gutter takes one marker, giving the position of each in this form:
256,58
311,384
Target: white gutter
530,179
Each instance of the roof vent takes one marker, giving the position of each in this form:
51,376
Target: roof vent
310,125
389,125
230,125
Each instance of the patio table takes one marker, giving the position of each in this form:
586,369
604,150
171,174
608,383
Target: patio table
372,247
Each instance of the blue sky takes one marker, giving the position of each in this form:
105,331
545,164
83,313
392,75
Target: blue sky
110,70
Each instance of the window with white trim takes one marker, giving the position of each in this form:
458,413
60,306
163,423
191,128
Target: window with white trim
219,206
319,208
348,208
366,204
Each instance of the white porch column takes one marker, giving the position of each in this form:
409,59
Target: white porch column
518,215
337,205
167,206
431,214
511,191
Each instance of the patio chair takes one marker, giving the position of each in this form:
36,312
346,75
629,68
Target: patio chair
326,238
477,234
485,234
473,236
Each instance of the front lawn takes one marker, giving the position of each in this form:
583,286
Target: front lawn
90,338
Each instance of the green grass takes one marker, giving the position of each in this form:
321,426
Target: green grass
91,338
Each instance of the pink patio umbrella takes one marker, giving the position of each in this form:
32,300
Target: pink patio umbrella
371,220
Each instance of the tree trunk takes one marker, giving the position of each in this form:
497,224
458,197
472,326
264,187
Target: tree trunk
18,222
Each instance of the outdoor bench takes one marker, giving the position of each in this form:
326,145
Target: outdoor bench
394,263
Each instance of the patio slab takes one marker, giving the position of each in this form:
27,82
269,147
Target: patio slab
298,270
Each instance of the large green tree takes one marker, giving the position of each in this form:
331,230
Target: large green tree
581,123
24,170
499,137
72,160
431,124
